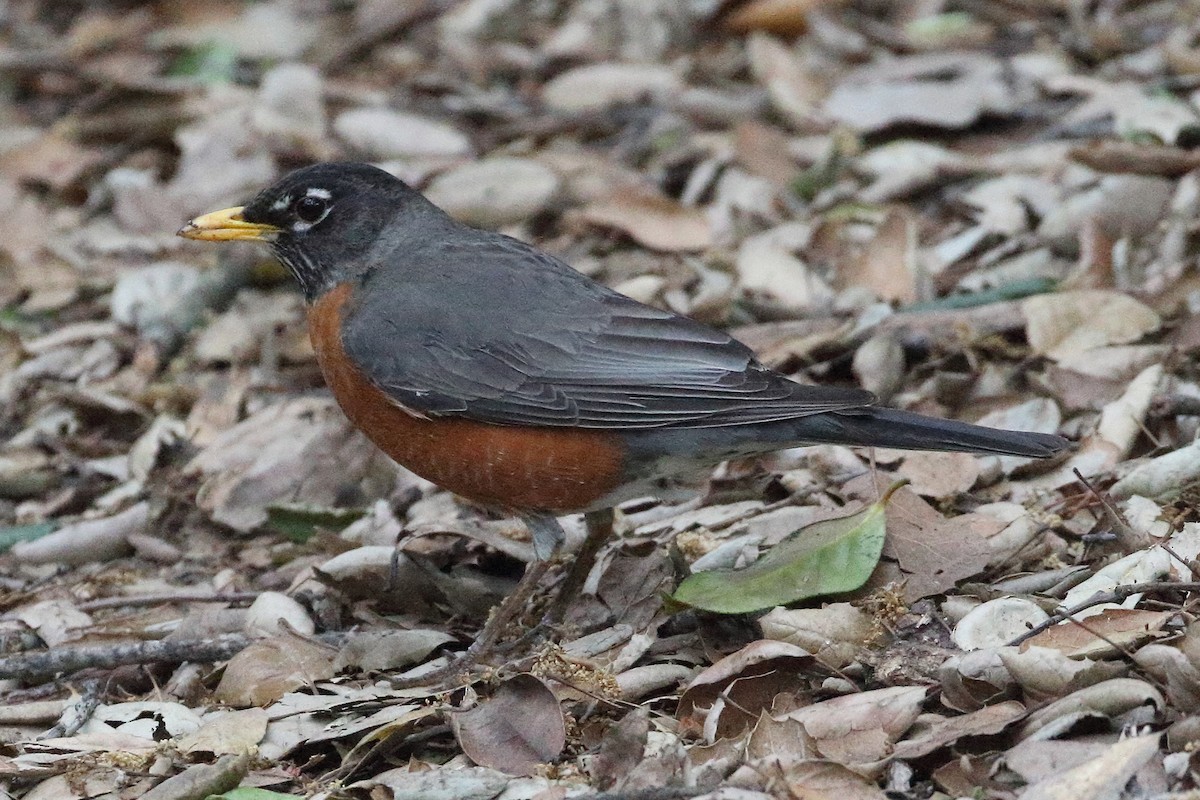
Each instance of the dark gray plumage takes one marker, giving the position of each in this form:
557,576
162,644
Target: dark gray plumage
462,322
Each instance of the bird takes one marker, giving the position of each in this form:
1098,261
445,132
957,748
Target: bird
504,375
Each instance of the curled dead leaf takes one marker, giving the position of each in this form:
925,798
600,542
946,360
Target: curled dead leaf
515,730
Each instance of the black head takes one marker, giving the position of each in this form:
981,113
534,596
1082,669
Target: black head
322,221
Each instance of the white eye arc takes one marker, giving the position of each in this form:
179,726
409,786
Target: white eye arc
310,208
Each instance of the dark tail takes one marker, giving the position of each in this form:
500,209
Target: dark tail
889,427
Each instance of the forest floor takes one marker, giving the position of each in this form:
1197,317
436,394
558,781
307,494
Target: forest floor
978,210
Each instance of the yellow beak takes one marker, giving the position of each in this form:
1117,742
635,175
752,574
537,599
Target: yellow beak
227,225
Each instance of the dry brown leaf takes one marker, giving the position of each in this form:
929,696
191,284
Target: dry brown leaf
834,633
651,219
1102,635
375,651
939,475
300,451
267,670
822,780
598,86
887,266
622,748
925,551
763,150
948,730
226,733
1063,325
782,17
1102,778
1047,674
515,730
859,730
1107,699
947,90
782,740
750,678
795,89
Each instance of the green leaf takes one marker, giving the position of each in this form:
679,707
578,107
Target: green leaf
299,523
250,793
1009,291
835,555
25,533
214,62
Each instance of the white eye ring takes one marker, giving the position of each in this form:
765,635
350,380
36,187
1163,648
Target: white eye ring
310,208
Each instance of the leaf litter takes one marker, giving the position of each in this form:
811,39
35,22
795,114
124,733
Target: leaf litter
983,211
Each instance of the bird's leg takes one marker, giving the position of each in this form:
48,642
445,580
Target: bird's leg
599,530
545,530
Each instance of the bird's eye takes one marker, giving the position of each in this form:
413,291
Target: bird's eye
310,209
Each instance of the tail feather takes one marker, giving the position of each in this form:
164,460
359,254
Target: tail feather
889,427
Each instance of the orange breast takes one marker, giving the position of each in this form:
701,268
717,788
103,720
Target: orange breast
522,469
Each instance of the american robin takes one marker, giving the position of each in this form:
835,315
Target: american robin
502,374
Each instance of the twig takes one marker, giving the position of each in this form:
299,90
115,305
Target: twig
1175,405
1115,595
505,613
76,715
599,530
167,597
1130,540
107,656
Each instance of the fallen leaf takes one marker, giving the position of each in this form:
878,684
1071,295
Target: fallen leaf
859,730
651,219
599,86
948,730
940,475
1102,778
1066,324
925,551
818,779
783,17
303,450
376,651
515,730
945,90
887,265
751,678
997,622
835,555
621,749
1105,700
1104,635
267,670
226,733
834,633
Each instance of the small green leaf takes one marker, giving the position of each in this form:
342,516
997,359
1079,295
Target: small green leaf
214,62
299,523
250,793
1009,291
834,555
25,533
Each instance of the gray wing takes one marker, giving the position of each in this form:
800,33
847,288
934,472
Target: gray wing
490,329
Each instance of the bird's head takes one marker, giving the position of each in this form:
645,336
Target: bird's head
321,221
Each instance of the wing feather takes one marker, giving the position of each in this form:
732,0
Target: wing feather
548,347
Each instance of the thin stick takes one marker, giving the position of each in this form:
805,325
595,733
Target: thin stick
66,659
599,530
500,618
167,597
1115,595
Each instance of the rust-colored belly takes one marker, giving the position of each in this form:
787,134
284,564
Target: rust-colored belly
522,469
